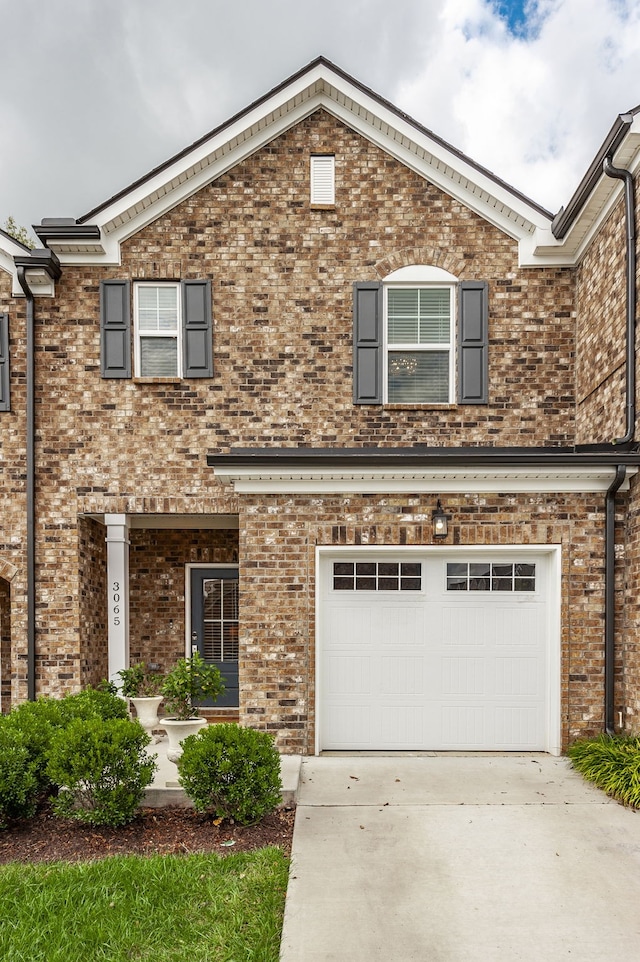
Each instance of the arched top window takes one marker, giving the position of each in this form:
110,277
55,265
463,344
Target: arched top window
419,335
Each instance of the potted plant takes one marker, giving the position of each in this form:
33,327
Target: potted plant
143,688
190,680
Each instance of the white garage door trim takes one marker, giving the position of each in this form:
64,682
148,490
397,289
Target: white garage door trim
552,556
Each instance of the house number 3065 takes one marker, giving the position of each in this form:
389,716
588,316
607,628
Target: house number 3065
115,602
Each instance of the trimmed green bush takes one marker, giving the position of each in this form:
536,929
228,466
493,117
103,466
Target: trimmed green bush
231,772
91,703
18,782
612,763
37,721
101,769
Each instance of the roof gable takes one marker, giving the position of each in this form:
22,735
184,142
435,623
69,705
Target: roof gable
97,236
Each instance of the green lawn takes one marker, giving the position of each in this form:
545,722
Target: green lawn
197,908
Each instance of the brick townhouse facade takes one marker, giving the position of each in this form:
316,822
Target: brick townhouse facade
265,376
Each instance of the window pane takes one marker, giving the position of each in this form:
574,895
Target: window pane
434,316
388,568
502,584
158,357
525,570
457,568
525,584
158,308
418,376
402,316
365,584
343,567
502,571
387,584
342,584
411,584
365,568
455,583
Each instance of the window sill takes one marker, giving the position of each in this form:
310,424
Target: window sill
421,406
157,380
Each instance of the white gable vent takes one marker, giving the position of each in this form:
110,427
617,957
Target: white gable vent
323,179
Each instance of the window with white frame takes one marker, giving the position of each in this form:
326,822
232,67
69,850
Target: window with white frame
323,179
158,342
419,342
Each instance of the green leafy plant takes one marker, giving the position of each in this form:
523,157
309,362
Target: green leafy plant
19,787
612,763
37,721
138,681
231,772
189,681
93,703
101,768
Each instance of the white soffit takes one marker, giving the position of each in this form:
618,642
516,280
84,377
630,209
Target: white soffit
373,479
317,87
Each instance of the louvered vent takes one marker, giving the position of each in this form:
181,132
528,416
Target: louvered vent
323,179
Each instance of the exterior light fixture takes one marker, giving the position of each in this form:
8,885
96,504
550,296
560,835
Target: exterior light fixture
440,522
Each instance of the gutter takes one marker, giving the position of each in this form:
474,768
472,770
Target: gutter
629,204
50,263
609,599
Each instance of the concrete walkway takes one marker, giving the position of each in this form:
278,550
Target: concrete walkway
447,858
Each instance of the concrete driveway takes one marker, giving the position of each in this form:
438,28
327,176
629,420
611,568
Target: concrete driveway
454,858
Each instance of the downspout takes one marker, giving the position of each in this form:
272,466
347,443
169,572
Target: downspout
610,597
41,261
630,386
30,414
620,174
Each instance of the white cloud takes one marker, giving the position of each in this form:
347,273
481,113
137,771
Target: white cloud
93,95
532,110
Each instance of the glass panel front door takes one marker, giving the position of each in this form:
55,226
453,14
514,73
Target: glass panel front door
214,624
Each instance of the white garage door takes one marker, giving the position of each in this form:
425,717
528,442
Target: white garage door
433,651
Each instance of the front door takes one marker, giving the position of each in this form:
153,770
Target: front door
214,624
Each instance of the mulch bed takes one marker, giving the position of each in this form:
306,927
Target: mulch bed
171,830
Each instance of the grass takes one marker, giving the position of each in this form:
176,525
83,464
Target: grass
612,763
164,908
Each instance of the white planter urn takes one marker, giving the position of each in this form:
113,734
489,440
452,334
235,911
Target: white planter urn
147,711
177,730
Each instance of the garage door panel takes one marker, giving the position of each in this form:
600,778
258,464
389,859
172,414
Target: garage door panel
349,675
402,725
402,625
463,726
465,624
352,623
463,676
518,676
401,674
518,626
517,726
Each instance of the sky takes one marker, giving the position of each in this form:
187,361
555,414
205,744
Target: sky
96,93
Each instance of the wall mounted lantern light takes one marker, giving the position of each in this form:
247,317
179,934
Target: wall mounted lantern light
440,522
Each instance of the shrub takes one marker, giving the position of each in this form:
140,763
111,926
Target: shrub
101,768
91,703
37,722
612,763
231,772
18,782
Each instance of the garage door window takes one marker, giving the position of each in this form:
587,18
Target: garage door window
377,576
485,576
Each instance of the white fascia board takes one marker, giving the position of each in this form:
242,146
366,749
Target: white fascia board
375,480
319,87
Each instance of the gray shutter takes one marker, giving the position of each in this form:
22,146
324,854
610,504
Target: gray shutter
473,340
367,343
115,329
4,363
197,329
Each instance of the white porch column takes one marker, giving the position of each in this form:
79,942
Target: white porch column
117,592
